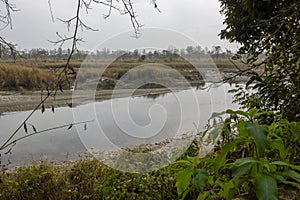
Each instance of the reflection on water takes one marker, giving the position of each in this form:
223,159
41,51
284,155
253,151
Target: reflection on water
156,117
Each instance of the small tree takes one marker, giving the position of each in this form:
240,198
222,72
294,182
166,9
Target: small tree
270,28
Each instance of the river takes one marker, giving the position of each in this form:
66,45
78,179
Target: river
117,123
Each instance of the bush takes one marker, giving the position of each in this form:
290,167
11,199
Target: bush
249,158
86,179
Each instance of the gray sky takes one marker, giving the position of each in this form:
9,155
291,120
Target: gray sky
197,19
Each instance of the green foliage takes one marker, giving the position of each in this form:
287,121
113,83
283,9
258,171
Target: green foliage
258,133
266,187
86,179
270,29
183,181
251,158
189,177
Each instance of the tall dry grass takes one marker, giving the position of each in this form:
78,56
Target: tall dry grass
32,74
16,77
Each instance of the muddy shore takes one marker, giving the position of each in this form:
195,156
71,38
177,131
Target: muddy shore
11,101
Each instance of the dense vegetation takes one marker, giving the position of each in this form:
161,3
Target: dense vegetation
86,179
271,28
250,158
257,152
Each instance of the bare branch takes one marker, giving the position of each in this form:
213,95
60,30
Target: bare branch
109,11
61,77
128,7
51,12
6,18
7,46
67,69
155,5
13,143
109,3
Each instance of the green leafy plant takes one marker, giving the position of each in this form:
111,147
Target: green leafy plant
249,158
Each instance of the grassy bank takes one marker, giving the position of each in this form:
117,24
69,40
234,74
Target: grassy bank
17,77
86,179
90,179
26,74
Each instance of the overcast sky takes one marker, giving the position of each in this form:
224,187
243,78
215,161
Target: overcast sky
197,19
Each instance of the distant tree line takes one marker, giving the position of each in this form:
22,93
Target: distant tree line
172,53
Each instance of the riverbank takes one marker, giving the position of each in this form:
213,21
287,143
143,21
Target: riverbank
88,178
11,101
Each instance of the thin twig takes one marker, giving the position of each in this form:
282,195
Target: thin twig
51,12
42,131
64,73
58,83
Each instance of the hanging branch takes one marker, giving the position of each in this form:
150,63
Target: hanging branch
67,69
240,71
58,86
6,18
35,132
128,7
7,46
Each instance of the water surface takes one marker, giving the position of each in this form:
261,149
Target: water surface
117,123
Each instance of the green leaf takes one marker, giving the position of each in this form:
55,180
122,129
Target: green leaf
185,193
233,90
243,161
227,190
281,163
216,114
279,145
194,160
214,133
237,172
292,174
259,135
238,112
253,111
250,81
270,167
183,179
211,180
182,163
242,166
203,195
242,130
220,160
282,179
266,187
200,179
